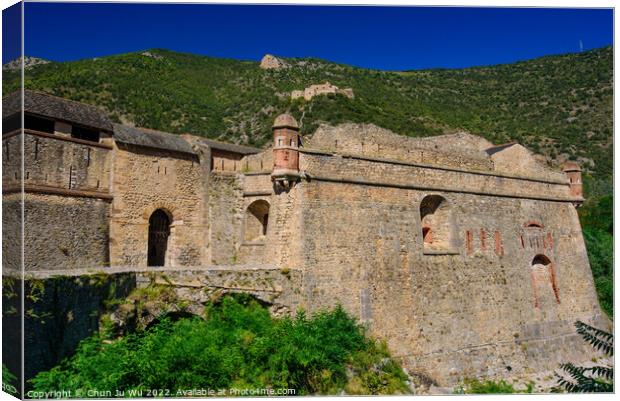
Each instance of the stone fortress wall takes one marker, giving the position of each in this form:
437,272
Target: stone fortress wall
146,180
67,195
467,258
499,298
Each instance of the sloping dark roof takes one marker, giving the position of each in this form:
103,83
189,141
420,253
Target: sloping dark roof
80,113
494,149
229,147
57,108
151,139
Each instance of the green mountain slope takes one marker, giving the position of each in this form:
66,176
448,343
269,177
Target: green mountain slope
560,106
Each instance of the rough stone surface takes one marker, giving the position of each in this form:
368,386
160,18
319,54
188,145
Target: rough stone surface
146,180
64,307
270,62
74,234
27,63
465,257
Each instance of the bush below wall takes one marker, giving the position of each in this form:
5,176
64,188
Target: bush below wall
238,346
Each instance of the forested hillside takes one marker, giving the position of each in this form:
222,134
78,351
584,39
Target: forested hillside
560,106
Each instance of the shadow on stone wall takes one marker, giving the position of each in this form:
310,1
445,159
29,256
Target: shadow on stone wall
59,312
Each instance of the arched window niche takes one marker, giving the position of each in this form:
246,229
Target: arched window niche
256,221
544,281
437,224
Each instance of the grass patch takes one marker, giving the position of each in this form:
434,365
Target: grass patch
474,386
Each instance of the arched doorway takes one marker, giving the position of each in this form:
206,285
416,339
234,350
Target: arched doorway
159,231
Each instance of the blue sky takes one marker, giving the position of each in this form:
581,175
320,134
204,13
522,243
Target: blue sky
394,38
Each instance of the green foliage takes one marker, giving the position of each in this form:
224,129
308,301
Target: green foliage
474,386
596,216
9,381
600,247
600,340
556,105
237,346
594,379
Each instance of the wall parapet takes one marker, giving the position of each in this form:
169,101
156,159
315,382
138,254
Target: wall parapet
423,187
429,166
362,171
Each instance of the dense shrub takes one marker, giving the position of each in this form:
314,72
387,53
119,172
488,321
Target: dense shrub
596,217
600,247
237,346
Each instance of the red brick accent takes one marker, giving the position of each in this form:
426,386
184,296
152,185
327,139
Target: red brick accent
427,234
499,249
483,239
469,237
554,283
550,240
534,289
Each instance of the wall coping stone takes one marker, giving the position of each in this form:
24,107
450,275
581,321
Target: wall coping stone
49,190
357,181
58,137
41,274
429,166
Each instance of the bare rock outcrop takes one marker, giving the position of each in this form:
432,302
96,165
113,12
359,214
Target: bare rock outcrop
28,62
271,62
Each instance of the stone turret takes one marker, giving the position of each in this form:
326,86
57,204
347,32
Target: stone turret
573,172
285,151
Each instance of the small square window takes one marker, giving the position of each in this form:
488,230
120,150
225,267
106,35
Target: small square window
86,134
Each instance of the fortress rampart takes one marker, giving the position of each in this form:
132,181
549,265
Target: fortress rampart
466,257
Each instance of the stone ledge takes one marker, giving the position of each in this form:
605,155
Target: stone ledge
139,269
257,193
44,189
357,181
62,138
252,173
431,252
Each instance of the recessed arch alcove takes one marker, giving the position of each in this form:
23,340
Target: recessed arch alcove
437,224
256,220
